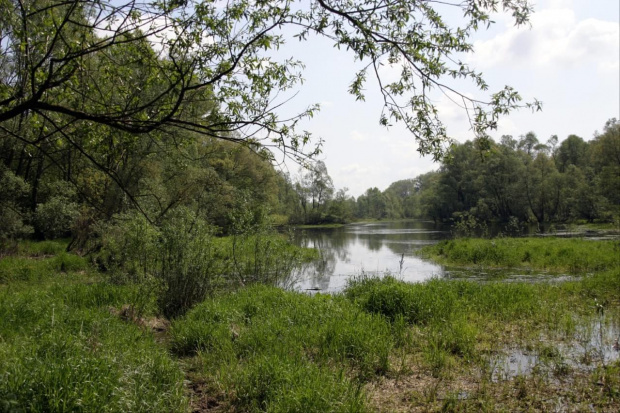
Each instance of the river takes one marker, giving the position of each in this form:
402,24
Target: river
367,248
384,247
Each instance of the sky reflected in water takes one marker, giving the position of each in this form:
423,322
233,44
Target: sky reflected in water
368,248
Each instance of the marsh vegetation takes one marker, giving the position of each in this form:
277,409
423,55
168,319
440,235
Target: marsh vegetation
74,339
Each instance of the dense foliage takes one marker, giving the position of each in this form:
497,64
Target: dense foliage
107,107
514,181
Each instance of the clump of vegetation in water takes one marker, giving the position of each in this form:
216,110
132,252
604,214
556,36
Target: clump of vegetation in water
575,255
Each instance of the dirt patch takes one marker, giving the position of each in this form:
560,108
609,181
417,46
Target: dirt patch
157,325
203,400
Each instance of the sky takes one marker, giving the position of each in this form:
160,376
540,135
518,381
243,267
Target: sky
568,59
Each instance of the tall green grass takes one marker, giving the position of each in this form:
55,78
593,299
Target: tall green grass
21,268
267,320
285,351
62,350
574,255
272,350
261,348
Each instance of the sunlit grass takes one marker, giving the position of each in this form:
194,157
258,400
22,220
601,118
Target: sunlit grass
63,346
63,349
573,255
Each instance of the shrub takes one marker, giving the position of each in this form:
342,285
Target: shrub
56,217
176,264
421,304
13,217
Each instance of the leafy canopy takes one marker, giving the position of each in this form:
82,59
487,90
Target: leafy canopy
203,66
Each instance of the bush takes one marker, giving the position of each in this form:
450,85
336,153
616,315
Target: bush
187,263
180,262
421,304
176,264
13,217
56,217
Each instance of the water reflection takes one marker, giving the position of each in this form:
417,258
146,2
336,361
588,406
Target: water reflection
371,248
593,343
382,247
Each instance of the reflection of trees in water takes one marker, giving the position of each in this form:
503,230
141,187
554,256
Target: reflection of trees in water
371,241
399,243
332,246
335,244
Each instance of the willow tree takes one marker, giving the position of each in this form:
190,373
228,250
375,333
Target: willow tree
203,67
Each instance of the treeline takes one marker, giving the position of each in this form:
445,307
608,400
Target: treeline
512,181
57,190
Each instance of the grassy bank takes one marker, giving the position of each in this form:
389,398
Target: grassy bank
67,343
575,255
263,349
63,347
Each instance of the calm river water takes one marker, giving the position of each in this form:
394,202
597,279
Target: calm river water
369,248
379,248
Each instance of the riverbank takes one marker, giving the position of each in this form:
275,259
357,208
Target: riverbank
69,342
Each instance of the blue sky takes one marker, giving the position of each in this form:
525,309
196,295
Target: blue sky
568,59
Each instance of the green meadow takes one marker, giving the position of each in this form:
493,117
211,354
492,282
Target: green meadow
71,341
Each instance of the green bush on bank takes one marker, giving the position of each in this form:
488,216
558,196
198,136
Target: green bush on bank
180,261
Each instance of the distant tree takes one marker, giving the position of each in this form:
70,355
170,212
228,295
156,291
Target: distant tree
342,207
528,144
543,188
321,186
402,195
372,204
605,159
315,190
572,151
509,142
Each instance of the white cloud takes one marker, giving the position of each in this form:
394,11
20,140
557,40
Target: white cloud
353,168
358,177
358,136
561,4
556,39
